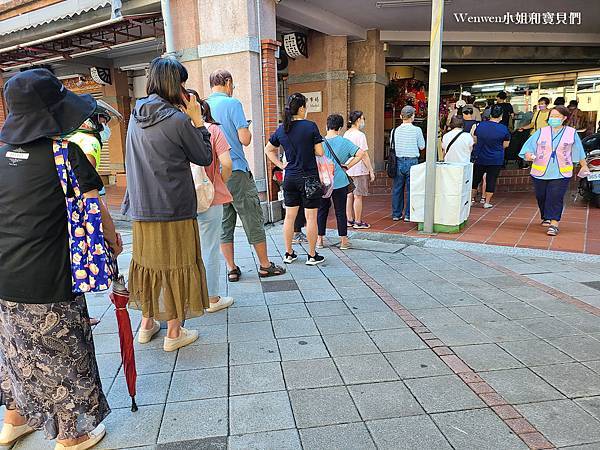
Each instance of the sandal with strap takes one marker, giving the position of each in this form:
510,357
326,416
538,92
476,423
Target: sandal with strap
552,230
271,271
234,275
546,223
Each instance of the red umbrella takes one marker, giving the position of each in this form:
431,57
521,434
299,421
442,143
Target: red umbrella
120,297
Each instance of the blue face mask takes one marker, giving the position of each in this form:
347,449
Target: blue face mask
555,122
105,133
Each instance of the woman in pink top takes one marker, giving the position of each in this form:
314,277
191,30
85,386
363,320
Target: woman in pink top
360,173
210,220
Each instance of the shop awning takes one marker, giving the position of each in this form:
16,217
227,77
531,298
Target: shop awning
108,34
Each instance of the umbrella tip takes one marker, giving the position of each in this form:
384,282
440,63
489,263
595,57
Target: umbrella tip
134,406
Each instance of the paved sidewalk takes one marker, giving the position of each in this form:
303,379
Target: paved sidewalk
384,346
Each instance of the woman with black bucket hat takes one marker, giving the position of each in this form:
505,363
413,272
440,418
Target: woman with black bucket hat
49,378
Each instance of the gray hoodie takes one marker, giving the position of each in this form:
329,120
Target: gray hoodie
161,143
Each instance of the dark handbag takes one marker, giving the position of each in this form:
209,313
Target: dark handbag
391,165
351,185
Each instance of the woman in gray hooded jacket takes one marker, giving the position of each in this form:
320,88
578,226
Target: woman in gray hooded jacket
166,276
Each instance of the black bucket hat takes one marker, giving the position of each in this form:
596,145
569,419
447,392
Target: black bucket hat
40,106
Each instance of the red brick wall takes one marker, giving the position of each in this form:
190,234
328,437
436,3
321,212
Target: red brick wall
270,100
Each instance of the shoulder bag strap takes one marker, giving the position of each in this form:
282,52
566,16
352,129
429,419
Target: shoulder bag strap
335,157
393,141
454,140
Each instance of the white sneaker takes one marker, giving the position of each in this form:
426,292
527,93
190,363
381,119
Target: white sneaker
224,302
12,433
95,437
488,205
186,337
145,336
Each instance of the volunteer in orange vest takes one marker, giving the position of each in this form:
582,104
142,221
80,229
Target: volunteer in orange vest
552,151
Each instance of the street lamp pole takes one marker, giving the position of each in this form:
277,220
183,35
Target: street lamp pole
433,105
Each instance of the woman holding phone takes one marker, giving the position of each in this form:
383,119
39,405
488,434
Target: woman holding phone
166,276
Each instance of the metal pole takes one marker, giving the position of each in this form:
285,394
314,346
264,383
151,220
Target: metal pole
165,6
433,105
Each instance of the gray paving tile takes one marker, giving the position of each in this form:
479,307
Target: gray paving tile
477,429
581,348
535,352
278,285
504,331
288,311
365,369
438,317
311,373
338,324
486,357
562,422
249,314
384,400
491,296
477,313
109,364
465,334
308,347
348,436
417,364
280,440
213,334
572,379
127,429
520,386
549,327
591,405
211,443
216,318
323,406
253,352
383,320
527,293
586,322
415,433
202,357
316,294
594,365
248,299
256,378
360,305
252,331
420,301
458,298
396,340
553,306
151,389
350,344
287,328
260,412
199,419
198,384
445,393
281,298
333,308
518,310
107,343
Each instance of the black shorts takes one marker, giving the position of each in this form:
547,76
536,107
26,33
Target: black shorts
491,175
294,195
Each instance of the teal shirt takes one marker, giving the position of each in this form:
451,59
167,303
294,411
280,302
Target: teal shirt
344,149
228,111
553,171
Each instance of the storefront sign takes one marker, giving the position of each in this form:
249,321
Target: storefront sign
314,101
523,18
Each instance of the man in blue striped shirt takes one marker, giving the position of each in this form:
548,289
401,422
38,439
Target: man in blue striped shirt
408,142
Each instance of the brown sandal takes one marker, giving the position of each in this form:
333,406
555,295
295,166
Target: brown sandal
234,274
271,271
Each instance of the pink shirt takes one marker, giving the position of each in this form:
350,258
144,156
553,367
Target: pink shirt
359,139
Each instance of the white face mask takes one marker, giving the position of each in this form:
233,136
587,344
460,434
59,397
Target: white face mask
105,133
361,125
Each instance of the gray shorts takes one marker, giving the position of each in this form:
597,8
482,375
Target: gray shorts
246,204
361,185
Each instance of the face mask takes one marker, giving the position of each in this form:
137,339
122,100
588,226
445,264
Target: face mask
555,122
541,107
105,133
305,113
362,125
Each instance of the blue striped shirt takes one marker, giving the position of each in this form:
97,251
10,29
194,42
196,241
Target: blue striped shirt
408,140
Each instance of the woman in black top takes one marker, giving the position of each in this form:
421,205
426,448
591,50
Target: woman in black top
49,377
301,142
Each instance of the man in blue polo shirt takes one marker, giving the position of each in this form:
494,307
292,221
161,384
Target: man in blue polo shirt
229,113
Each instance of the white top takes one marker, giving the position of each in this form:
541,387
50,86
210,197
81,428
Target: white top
460,151
359,139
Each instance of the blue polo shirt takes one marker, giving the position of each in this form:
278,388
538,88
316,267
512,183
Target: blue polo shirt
228,111
489,150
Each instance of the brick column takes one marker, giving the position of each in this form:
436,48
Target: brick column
270,102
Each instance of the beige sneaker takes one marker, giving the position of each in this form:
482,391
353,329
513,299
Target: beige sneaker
12,433
145,336
224,302
94,438
186,337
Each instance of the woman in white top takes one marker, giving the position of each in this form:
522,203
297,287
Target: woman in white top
457,143
361,173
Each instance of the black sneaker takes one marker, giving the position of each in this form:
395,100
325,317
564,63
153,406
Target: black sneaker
314,260
290,258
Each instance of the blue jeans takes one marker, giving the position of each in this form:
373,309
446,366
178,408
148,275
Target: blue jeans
210,231
402,181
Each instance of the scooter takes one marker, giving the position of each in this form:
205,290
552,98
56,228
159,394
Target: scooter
589,187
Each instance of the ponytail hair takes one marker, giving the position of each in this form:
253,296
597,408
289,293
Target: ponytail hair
354,116
204,106
294,103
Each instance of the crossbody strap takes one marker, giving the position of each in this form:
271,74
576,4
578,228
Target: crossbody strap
454,140
393,141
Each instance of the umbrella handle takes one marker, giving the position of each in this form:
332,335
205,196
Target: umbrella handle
134,406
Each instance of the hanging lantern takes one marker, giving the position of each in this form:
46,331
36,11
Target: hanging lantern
295,45
101,75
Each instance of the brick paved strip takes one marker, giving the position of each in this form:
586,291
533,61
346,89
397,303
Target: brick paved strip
536,284
507,413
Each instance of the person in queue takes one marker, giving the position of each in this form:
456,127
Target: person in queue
209,221
361,173
508,112
491,139
469,120
553,150
338,148
228,111
540,118
457,143
302,142
167,279
577,118
49,377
